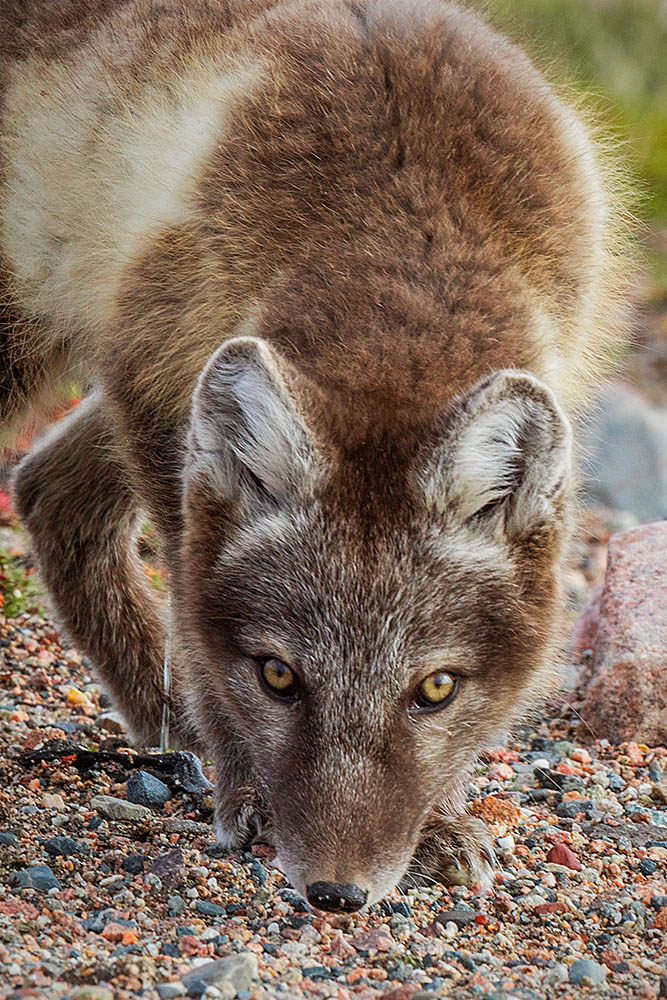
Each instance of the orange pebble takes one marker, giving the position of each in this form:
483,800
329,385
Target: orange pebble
76,697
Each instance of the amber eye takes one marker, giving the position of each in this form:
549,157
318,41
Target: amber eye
436,691
279,679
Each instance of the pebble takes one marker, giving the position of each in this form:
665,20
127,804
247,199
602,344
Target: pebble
169,991
111,722
176,906
147,790
53,801
258,872
459,917
134,864
560,854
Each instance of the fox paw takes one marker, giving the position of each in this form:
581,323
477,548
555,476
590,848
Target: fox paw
246,823
453,851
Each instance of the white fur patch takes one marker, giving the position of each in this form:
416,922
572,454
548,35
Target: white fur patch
488,451
95,172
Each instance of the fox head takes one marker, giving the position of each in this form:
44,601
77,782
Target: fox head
365,621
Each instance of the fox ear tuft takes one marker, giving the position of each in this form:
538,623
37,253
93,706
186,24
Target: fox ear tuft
248,434
506,453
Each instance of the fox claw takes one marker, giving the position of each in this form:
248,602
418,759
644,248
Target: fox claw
489,854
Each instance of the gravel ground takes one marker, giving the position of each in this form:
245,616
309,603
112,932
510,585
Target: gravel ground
105,900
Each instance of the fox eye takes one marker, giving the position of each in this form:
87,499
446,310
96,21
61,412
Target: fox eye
278,679
436,691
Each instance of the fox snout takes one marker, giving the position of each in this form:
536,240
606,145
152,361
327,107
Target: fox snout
331,893
348,845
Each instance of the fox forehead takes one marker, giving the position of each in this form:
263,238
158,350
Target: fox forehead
316,596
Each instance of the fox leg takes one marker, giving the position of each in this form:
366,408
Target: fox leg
73,495
454,850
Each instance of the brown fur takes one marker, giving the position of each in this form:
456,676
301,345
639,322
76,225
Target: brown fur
398,214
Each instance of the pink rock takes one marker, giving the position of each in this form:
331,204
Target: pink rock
626,693
560,854
502,771
375,939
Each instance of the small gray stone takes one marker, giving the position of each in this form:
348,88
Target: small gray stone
459,916
133,864
240,970
119,809
210,909
176,905
64,847
195,988
8,839
258,872
178,825
586,972
38,877
147,790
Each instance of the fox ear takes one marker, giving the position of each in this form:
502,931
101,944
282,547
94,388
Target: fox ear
506,454
248,435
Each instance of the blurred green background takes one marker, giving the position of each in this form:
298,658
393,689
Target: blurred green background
615,50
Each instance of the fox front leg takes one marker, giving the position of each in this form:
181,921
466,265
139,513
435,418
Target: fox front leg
454,850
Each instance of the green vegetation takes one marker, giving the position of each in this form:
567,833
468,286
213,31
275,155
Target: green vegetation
20,590
617,51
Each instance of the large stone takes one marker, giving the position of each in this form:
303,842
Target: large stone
65,847
38,877
626,690
586,972
170,868
625,444
239,970
147,790
114,808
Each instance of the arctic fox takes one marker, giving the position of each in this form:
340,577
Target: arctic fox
338,273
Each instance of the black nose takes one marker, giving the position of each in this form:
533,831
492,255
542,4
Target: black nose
334,896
